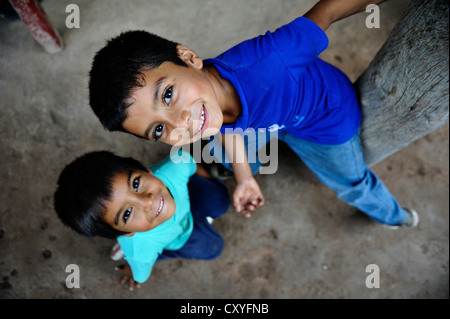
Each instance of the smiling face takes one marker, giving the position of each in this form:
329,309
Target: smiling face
177,104
140,202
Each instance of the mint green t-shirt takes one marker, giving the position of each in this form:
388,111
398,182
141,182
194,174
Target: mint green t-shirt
142,250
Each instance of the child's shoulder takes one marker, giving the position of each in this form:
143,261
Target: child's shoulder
299,37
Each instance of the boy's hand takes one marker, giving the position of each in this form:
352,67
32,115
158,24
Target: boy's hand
127,277
247,196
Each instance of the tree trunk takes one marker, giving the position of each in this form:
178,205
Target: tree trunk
404,91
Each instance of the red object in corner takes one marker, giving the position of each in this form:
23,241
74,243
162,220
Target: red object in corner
35,18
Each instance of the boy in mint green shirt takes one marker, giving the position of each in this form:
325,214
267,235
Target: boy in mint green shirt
155,213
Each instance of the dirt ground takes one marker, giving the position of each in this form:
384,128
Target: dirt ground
304,243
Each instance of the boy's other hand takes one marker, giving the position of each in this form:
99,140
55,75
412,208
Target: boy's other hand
247,196
127,277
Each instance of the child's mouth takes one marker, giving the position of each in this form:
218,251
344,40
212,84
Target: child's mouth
161,206
202,122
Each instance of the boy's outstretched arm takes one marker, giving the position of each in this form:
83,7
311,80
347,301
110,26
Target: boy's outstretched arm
326,12
247,195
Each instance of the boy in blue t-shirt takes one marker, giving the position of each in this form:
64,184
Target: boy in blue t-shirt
160,90
156,213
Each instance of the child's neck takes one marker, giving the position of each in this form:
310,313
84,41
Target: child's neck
228,98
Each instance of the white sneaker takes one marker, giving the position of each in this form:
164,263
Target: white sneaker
411,222
116,252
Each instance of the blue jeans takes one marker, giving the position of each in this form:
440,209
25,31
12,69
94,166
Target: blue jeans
209,197
342,169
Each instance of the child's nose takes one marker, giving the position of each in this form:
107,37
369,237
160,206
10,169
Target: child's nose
183,120
147,201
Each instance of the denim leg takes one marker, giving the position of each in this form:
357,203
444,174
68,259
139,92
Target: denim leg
342,169
208,197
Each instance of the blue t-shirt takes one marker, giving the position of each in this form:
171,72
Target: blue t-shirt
282,84
142,250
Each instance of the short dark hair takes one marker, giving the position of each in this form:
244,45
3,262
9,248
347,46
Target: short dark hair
84,186
118,68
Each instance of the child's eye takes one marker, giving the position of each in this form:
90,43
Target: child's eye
136,184
158,131
167,96
126,215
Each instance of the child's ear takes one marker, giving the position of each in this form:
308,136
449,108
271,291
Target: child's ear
188,56
149,171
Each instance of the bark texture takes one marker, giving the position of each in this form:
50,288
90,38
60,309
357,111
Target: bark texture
404,93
